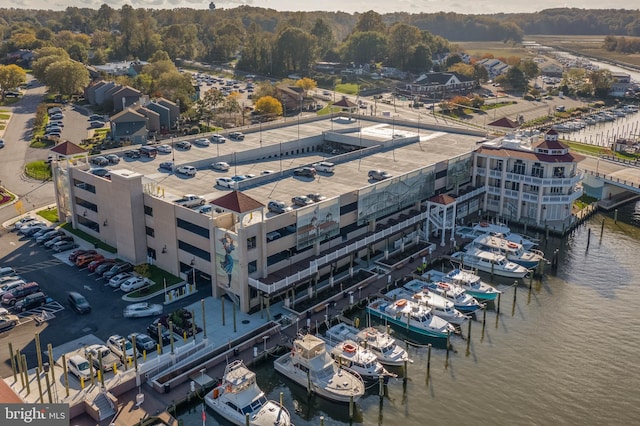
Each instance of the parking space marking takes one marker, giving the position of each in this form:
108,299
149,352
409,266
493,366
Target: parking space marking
49,309
38,266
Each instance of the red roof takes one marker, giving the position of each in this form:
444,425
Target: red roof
529,155
237,202
345,103
67,149
442,199
504,122
551,144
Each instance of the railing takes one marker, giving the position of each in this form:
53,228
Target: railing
615,180
532,180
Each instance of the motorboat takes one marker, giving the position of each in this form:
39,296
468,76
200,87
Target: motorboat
502,230
380,343
513,251
239,395
310,365
489,261
452,292
469,281
439,305
348,353
415,320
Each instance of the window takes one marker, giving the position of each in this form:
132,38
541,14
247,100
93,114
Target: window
519,167
441,174
252,266
251,243
151,252
191,227
499,165
83,185
537,170
555,190
148,210
150,231
202,254
348,208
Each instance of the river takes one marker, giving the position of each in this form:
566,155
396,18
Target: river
566,353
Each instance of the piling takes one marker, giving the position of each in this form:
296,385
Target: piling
428,361
446,360
26,372
497,307
123,348
13,363
101,370
515,293
46,379
615,216
351,407
588,237
38,351
492,266
51,362
39,385
381,386
247,419
602,229
90,359
468,336
66,374
19,362
159,338
406,370
308,383
321,420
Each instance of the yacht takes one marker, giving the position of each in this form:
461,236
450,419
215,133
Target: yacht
239,395
439,305
502,230
380,343
310,365
452,292
514,252
415,320
348,353
488,261
469,281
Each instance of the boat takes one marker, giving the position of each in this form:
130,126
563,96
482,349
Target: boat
239,395
380,343
439,305
452,292
513,251
310,365
469,281
502,230
488,261
348,353
415,320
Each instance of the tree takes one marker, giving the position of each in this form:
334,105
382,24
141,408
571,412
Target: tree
324,34
480,73
67,77
462,69
268,106
45,57
306,84
176,87
11,76
370,21
601,80
420,59
402,38
365,47
515,78
295,49
452,60
529,68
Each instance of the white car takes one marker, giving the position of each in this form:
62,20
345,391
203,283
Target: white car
220,165
226,182
22,222
201,142
165,149
134,283
143,309
117,280
115,344
236,136
187,170
218,139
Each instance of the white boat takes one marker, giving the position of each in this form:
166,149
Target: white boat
348,353
469,281
491,262
452,292
239,395
439,305
415,320
513,251
310,365
380,343
483,228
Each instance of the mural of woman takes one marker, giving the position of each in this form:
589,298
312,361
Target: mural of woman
227,263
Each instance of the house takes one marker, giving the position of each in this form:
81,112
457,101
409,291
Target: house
552,70
129,127
494,67
174,110
621,83
128,68
22,57
291,97
440,83
153,119
124,97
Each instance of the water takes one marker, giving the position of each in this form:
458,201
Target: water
567,353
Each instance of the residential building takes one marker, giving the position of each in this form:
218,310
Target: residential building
440,84
129,127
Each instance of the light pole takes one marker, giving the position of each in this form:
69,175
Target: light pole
173,155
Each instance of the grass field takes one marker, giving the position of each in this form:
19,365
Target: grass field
587,46
495,48
38,170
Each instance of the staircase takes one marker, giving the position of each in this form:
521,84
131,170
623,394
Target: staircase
104,405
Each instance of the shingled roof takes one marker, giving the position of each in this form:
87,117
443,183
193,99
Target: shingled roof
237,202
443,199
68,149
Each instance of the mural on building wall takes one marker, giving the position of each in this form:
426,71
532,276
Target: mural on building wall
61,179
459,171
317,222
392,195
226,259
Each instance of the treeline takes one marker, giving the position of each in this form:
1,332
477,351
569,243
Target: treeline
622,44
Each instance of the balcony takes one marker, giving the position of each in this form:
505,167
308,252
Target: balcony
532,180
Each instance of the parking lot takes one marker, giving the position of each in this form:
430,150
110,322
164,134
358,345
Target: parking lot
56,278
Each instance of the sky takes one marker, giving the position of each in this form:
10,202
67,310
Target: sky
350,6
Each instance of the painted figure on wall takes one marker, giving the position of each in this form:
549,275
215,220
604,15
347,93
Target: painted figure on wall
227,263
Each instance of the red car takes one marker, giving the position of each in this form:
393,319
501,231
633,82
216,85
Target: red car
85,259
76,253
94,264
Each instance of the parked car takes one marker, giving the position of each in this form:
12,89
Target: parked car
144,343
112,158
378,175
49,236
325,166
42,232
132,153
165,149
22,222
52,242
7,271
108,357
187,170
104,267
239,178
165,335
8,321
99,161
236,136
115,343
226,182
220,165
54,110
78,302
61,246
305,171
301,200
134,283
79,367
73,256
96,124
201,142
10,285
166,165
31,301
218,139
84,259
142,309
96,117
12,297
117,280
117,269
29,225
278,207
184,145
316,197
273,235
104,173
56,116
97,262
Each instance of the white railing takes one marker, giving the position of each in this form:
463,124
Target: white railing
532,180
